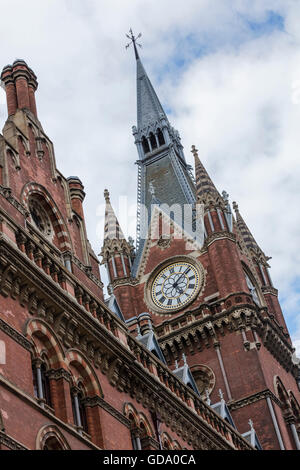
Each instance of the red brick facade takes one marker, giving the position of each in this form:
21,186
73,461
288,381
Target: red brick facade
73,374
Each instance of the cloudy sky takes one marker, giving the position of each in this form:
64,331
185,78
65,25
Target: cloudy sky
227,73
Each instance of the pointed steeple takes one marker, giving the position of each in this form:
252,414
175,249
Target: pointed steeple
244,230
149,108
112,229
117,252
204,184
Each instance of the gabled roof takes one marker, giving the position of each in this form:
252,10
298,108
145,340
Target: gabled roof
113,305
150,342
184,374
222,409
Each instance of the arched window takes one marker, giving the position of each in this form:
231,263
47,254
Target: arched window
153,141
41,383
78,407
52,444
160,136
145,145
253,290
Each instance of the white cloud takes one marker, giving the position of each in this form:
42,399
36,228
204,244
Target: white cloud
233,98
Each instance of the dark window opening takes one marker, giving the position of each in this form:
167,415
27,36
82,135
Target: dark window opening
160,136
145,145
153,141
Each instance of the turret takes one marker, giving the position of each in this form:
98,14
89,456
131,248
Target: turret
116,252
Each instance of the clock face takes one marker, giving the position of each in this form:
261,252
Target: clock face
175,286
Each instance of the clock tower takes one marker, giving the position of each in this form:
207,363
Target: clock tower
202,286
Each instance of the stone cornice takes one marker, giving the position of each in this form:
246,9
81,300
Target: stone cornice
263,395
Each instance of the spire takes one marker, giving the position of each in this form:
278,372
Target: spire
112,228
204,184
244,230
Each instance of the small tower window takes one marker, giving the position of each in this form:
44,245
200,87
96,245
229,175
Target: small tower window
145,145
153,141
252,290
160,136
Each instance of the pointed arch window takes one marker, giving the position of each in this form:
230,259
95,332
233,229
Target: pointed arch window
41,383
153,141
253,290
145,145
78,407
160,136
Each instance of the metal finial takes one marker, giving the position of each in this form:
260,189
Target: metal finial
176,364
138,330
221,394
251,424
133,40
184,359
106,195
194,151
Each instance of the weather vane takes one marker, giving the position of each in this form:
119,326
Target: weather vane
133,40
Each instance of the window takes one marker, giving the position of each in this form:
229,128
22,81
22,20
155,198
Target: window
253,290
41,383
160,136
145,145
78,407
153,141
40,217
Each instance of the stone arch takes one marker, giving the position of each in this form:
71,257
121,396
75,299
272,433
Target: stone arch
204,377
283,396
129,410
145,423
76,359
166,441
60,227
51,432
294,406
40,329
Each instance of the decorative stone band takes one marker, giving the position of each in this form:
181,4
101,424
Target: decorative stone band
218,236
11,443
269,290
263,395
15,335
98,401
6,192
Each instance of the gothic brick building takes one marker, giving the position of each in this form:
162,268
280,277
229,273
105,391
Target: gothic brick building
190,350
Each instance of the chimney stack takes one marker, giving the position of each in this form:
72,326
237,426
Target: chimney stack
20,86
